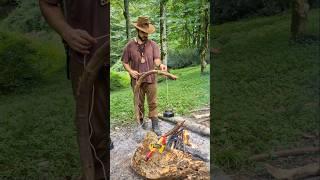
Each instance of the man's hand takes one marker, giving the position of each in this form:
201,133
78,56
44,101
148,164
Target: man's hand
79,40
163,67
134,74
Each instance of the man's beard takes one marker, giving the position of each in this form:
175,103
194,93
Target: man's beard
146,38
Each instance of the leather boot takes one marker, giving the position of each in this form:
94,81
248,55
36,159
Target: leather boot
110,144
155,126
143,124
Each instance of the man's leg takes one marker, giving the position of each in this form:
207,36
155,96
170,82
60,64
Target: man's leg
140,99
151,91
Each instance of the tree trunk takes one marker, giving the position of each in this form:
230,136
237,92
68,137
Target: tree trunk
300,9
127,17
163,31
204,47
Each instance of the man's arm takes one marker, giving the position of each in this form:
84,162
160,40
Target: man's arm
132,73
78,40
159,64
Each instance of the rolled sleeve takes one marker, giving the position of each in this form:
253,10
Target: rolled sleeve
125,55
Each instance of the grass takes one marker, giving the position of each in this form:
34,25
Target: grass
190,91
36,125
265,89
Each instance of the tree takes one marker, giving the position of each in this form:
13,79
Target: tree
127,18
163,31
299,18
204,41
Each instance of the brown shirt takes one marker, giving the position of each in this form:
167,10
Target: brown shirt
89,15
132,56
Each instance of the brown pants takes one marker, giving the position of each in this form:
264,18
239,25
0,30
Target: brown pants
98,119
149,89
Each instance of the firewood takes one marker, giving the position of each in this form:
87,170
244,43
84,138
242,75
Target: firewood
283,153
295,173
173,164
192,126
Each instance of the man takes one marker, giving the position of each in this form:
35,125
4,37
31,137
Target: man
141,55
83,25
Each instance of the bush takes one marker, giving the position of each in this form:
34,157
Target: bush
118,66
183,58
23,62
17,63
119,80
26,18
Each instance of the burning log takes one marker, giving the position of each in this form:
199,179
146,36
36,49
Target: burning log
295,173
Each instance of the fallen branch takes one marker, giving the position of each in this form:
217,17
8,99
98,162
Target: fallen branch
200,116
295,173
203,120
192,126
284,153
202,109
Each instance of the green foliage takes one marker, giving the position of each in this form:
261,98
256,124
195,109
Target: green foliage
26,18
18,63
182,33
183,58
119,80
266,90
23,62
237,9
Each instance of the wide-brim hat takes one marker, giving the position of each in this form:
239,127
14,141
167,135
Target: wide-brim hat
143,23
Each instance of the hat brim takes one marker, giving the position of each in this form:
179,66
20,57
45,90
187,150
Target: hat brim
151,29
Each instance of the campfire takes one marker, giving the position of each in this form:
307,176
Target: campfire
165,158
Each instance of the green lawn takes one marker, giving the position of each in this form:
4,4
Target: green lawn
37,127
265,89
190,91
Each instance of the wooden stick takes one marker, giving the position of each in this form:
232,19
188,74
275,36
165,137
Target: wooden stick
295,173
138,84
283,153
192,126
83,107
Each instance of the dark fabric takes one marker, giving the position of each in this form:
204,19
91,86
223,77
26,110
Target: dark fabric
88,15
132,56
